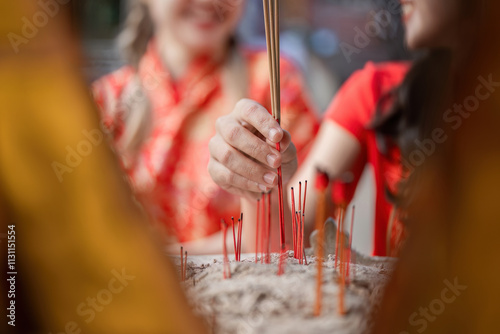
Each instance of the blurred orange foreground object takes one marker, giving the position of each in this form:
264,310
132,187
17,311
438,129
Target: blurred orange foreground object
84,259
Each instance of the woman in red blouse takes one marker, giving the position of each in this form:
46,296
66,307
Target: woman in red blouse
367,120
184,72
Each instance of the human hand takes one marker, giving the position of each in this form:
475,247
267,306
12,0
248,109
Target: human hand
243,154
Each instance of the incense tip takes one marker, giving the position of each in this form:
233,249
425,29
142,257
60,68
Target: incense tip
322,180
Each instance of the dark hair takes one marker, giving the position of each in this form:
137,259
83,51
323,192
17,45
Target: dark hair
413,108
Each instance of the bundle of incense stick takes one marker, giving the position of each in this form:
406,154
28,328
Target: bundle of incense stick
237,238
271,19
298,218
227,268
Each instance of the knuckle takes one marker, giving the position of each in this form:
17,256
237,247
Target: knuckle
229,178
234,133
227,157
250,110
255,150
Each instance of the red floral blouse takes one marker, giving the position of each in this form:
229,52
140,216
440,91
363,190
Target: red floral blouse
169,173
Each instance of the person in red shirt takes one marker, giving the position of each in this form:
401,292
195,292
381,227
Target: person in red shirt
365,123
185,71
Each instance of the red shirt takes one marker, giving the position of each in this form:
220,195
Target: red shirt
169,172
354,108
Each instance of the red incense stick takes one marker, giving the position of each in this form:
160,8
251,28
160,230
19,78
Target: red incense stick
257,232
305,194
268,254
240,233
234,241
294,233
263,228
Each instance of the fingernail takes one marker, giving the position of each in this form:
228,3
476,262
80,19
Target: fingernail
263,188
270,178
273,133
271,160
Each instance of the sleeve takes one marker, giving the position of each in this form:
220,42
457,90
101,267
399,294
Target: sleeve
299,116
107,92
81,241
353,109
354,106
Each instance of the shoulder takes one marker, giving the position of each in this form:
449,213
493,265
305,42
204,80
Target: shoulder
354,105
373,81
382,75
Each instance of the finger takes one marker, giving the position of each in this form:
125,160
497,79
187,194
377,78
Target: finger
240,138
257,116
284,143
227,179
242,193
289,153
242,165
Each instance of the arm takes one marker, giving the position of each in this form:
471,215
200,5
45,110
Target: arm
334,151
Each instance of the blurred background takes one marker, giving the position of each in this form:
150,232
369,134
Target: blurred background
322,36
327,39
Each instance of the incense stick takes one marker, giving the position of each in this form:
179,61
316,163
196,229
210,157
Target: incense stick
271,20
257,231
350,243
268,236
240,233
294,232
227,268
234,241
